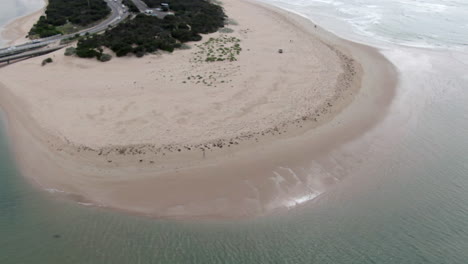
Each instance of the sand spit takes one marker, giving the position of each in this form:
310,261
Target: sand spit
171,135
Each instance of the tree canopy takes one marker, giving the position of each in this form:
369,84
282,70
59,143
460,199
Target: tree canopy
146,34
61,12
202,15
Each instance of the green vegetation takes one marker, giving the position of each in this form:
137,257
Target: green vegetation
43,29
61,15
69,28
131,6
222,48
147,34
226,30
105,57
89,48
48,60
70,51
203,16
185,46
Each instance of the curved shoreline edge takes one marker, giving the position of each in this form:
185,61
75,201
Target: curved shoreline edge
243,183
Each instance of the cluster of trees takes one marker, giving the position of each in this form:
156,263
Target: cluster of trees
146,34
43,29
61,12
202,15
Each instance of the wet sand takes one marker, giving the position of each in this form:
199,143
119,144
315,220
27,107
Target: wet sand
131,135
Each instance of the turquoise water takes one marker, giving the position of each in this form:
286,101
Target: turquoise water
406,203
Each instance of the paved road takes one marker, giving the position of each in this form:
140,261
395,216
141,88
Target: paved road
41,46
29,54
141,5
118,13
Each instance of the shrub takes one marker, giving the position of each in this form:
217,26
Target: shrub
70,51
48,60
105,57
86,53
231,21
226,30
60,12
185,47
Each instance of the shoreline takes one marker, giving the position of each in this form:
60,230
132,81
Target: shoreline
234,182
15,31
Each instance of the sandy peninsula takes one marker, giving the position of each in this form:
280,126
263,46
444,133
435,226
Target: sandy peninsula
170,135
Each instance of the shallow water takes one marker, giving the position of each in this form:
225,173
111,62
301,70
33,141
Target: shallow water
422,23
11,9
406,200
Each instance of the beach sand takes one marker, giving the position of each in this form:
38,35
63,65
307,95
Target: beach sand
170,135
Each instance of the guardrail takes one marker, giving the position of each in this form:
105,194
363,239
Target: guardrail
10,52
29,54
116,17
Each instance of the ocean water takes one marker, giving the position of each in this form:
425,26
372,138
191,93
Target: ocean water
420,23
406,201
11,9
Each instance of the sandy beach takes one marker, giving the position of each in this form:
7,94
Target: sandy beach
16,31
170,135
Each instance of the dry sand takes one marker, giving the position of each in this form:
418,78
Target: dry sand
170,136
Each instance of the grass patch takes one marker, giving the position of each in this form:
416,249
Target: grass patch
223,48
69,28
70,51
226,30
